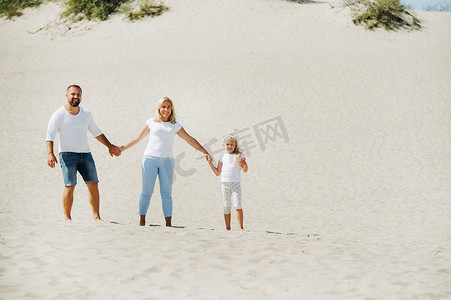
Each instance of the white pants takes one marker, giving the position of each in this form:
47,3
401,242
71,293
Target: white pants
231,190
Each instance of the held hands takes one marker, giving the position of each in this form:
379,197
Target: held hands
208,158
115,150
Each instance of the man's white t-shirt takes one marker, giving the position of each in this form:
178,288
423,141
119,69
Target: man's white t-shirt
161,138
72,130
231,171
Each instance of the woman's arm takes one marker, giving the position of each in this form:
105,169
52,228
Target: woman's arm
137,138
192,142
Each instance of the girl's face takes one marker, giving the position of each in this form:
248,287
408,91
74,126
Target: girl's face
229,145
165,110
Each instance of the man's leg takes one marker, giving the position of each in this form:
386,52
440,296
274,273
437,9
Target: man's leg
88,171
68,200
94,199
69,161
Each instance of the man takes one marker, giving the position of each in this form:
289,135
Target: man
71,122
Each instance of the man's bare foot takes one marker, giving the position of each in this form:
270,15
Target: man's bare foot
142,220
228,228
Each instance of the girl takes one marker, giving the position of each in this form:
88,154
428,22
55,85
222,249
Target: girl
158,157
229,167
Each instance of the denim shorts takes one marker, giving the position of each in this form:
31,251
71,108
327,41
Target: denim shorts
72,162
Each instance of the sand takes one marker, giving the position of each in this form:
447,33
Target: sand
347,133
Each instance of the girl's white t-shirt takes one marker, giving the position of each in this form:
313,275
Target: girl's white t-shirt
231,171
161,138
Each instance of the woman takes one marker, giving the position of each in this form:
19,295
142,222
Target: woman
158,157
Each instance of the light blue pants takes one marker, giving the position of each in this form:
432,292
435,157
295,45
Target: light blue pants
164,168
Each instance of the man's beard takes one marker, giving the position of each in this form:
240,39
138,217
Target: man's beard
74,102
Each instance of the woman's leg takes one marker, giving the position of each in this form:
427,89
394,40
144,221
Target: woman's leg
166,176
149,175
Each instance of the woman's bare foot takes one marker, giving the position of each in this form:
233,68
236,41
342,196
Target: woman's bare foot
168,221
142,220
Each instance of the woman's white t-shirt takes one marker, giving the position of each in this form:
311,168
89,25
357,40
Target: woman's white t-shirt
161,138
231,170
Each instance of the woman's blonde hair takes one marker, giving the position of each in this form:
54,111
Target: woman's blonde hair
171,116
237,150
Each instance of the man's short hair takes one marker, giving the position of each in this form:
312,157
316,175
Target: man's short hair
74,86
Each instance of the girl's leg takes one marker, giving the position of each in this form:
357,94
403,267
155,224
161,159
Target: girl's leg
227,219
166,176
227,197
239,216
149,175
236,195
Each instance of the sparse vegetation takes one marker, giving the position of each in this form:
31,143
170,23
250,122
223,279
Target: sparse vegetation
143,8
439,7
389,14
13,8
90,9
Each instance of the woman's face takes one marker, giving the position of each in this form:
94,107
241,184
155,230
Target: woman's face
165,110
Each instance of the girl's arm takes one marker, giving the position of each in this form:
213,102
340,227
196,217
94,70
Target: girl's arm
193,142
138,137
215,170
242,162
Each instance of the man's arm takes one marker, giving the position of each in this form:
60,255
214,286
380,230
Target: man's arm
113,149
51,159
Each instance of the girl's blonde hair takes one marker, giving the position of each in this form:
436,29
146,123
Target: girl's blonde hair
237,150
171,116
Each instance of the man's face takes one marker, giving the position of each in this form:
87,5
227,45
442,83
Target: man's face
74,96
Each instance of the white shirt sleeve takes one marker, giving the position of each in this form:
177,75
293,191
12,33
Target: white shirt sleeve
178,126
53,127
93,128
